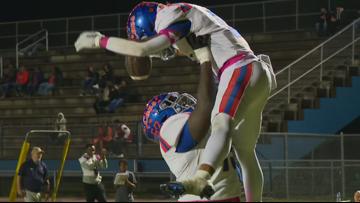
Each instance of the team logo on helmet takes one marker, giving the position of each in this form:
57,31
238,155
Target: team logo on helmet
141,21
162,107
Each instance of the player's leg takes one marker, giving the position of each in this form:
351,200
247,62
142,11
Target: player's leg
232,86
245,136
244,145
220,127
237,85
247,91
219,143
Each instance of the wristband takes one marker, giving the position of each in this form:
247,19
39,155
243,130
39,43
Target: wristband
101,41
203,54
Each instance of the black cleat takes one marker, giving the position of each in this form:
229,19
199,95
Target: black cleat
177,189
207,192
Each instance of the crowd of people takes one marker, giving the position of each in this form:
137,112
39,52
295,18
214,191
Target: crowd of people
29,81
110,90
114,136
331,21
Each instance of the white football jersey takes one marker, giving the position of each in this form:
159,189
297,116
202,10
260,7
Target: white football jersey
226,42
184,165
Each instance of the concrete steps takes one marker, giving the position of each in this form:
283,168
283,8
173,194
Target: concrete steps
175,75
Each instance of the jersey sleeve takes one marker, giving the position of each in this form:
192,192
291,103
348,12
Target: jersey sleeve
171,130
180,164
186,141
172,21
177,31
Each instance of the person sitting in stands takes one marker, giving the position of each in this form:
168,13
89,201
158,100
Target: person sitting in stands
22,80
55,78
36,78
107,76
103,100
105,136
90,81
117,95
8,80
122,137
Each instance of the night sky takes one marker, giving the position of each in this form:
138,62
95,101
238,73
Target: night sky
35,9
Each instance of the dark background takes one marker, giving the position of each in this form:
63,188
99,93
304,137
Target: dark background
31,9
17,10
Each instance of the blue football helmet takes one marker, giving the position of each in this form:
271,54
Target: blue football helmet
162,107
141,22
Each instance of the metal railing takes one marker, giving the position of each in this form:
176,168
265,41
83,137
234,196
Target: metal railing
328,164
339,49
284,152
32,41
319,180
253,17
309,180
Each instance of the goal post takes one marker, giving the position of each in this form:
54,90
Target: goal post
22,158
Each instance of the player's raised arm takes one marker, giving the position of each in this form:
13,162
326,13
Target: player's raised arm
199,121
94,40
145,38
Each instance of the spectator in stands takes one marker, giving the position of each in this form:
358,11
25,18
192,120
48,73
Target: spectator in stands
112,97
36,78
91,163
105,135
357,196
117,145
322,23
340,16
122,137
22,80
345,16
59,76
117,95
332,24
126,133
60,125
90,81
55,78
103,100
33,178
108,76
8,80
125,183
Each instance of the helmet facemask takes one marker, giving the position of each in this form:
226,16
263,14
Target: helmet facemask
179,102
